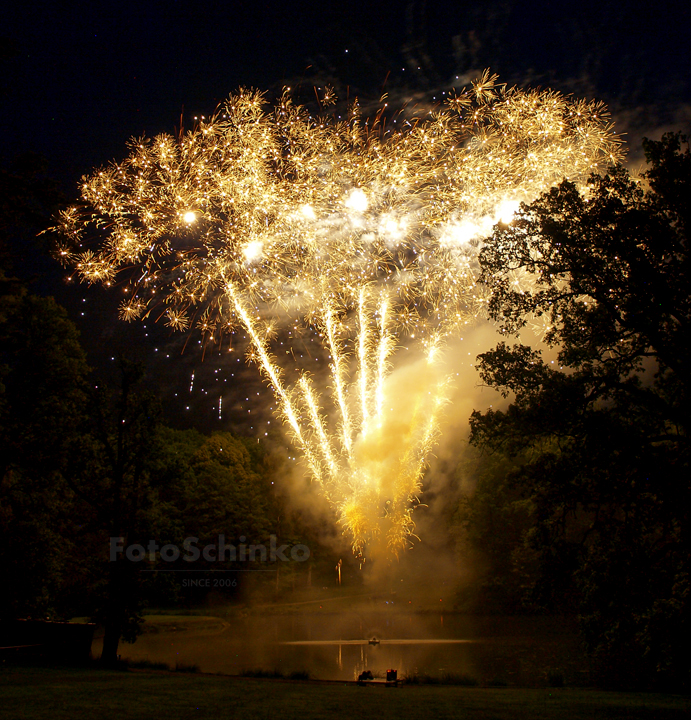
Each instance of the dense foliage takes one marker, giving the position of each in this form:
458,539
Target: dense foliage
82,462
598,437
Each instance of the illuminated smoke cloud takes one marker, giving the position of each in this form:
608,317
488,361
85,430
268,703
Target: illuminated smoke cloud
363,236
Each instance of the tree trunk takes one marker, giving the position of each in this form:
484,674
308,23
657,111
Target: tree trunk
111,640
114,617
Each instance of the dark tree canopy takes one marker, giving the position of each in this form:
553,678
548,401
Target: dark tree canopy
43,391
601,435
83,461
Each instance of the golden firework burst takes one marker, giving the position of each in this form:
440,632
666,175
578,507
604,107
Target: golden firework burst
367,237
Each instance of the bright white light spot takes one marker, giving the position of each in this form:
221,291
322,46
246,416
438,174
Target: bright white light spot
190,217
357,200
308,212
506,210
253,250
392,228
463,231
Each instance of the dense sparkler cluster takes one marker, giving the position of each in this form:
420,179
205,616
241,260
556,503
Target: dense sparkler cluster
367,236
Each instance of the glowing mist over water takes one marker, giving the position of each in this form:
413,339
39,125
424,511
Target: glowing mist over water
361,233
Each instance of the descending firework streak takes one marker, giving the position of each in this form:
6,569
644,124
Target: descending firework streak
267,218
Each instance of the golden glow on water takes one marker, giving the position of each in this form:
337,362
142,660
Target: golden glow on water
363,233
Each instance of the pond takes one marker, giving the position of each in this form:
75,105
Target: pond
339,646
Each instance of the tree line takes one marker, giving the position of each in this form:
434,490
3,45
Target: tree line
583,485
84,460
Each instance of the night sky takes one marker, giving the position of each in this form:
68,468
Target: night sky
81,78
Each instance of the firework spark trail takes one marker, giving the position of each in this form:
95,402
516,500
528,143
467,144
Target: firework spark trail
338,365
363,352
384,350
317,423
273,375
365,237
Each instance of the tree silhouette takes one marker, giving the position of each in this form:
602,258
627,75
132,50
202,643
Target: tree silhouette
603,432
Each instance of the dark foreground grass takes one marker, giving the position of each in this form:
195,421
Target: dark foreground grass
62,694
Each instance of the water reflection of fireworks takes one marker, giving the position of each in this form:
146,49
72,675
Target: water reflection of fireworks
364,236
406,641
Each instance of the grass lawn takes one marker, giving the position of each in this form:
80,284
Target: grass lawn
33,693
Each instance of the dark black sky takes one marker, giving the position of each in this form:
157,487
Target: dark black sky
80,78
83,77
